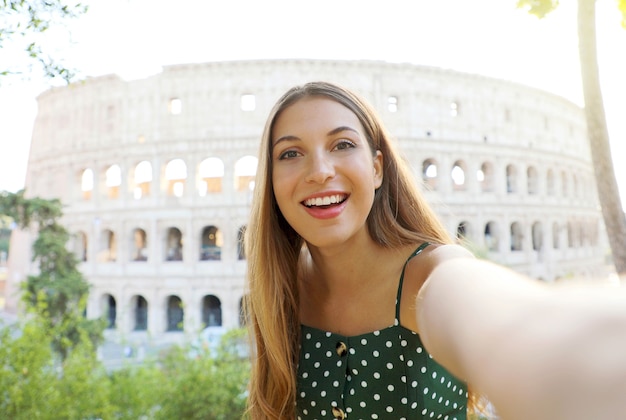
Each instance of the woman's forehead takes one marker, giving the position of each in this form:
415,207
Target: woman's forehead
314,113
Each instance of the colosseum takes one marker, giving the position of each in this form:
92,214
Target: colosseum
156,177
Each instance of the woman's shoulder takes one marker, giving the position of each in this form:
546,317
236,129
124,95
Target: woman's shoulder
417,271
437,253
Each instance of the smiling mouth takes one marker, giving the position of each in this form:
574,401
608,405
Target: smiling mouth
325,201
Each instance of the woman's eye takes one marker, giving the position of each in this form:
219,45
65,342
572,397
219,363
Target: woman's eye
289,154
345,144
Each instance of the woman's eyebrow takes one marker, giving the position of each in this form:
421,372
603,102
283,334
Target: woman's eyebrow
340,129
334,131
287,137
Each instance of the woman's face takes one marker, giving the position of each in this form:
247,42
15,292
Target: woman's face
324,175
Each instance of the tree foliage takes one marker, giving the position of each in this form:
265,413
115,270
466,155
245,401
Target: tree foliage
175,385
24,24
58,293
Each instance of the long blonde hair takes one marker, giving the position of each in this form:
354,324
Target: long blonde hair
399,216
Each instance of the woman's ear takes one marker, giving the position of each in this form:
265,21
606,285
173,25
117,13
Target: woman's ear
378,169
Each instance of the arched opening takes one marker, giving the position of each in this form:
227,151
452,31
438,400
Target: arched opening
211,311
107,251
175,177
485,177
113,181
174,245
175,314
139,245
491,236
511,179
429,173
211,173
516,236
142,180
211,244
458,176
537,236
109,309
245,171
140,305
86,184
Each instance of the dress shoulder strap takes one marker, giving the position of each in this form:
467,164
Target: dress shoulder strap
401,282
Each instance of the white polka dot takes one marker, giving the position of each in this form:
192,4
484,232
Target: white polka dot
423,369
377,397
363,362
323,393
375,353
326,373
364,341
434,375
376,333
303,394
409,363
318,345
389,344
403,343
328,334
376,375
307,355
329,353
389,409
389,365
364,384
312,403
313,384
414,384
362,404
403,378
414,405
308,336
390,388
305,375
374,416
419,350
404,400
316,365
426,391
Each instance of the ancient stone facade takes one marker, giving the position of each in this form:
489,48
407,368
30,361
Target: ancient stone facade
156,177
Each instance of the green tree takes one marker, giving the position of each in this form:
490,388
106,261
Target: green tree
24,26
606,183
35,385
59,292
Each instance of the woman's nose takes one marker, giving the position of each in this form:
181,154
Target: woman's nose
320,169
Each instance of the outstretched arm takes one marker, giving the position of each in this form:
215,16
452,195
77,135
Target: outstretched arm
535,350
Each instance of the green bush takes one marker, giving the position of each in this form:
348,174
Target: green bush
35,383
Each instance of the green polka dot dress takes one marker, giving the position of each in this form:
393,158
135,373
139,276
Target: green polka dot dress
385,374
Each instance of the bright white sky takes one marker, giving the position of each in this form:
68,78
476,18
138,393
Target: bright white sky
133,38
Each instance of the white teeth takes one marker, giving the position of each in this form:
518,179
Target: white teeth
324,201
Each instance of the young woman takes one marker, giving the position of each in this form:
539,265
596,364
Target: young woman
350,271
